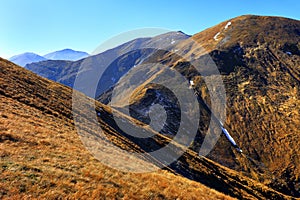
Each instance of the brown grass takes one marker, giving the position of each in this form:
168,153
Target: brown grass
262,91
42,157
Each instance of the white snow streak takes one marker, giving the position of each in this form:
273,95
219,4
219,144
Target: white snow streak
191,83
216,36
227,25
228,136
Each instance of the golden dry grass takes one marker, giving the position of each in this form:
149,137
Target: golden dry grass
39,162
42,157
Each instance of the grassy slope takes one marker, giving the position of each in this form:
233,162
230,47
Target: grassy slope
262,90
41,155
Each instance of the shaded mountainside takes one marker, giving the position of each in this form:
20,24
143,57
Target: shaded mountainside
42,156
258,58
261,67
65,72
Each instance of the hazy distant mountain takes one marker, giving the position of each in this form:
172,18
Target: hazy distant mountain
26,58
66,54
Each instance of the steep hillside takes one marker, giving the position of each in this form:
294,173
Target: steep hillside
42,156
258,58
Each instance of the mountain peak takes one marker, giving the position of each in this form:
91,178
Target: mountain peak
66,54
26,58
67,49
249,30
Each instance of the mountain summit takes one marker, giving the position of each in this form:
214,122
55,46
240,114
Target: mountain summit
66,54
25,58
258,58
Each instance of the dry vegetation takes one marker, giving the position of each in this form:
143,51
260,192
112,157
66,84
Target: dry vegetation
42,156
258,58
262,85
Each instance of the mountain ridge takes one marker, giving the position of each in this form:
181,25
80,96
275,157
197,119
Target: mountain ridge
44,108
65,54
258,58
67,72
262,87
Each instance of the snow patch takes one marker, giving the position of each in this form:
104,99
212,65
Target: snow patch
191,84
288,53
216,36
173,41
221,123
228,136
227,25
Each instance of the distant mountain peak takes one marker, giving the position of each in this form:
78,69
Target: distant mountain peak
66,54
26,58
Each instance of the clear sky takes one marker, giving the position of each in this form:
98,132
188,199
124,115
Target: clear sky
42,26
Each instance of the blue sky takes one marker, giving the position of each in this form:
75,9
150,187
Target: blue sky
42,26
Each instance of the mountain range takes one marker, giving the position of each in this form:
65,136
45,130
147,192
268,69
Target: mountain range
65,54
42,155
42,150
258,59
65,72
